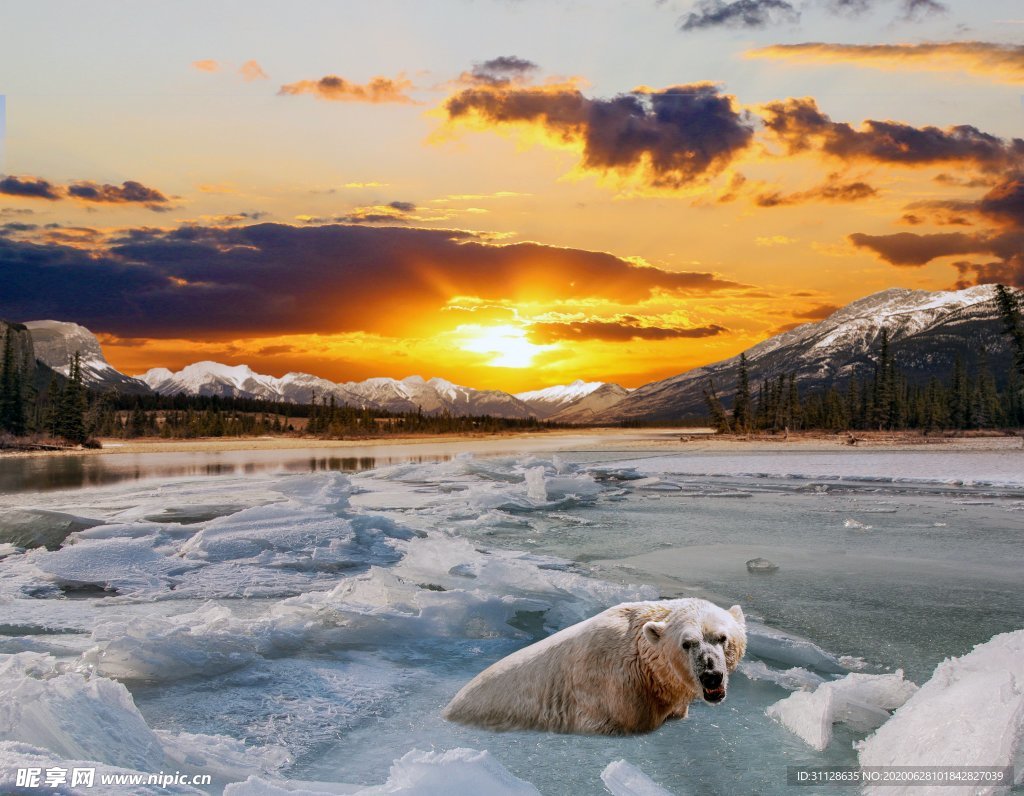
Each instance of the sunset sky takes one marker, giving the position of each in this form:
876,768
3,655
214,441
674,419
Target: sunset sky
507,194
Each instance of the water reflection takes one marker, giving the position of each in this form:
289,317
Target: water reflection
31,474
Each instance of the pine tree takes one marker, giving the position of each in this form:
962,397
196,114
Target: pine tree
12,398
719,419
70,419
1013,322
742,414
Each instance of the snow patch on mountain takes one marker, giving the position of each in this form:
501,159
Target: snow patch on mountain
56,343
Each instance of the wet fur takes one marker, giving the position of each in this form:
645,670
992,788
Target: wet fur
621,672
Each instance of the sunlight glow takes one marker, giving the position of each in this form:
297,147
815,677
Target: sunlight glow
507,344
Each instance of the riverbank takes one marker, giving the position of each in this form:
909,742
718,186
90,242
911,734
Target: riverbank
657,439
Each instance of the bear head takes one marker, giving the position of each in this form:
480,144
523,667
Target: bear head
702,643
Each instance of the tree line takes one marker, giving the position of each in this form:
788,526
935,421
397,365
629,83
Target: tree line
887,399
64,409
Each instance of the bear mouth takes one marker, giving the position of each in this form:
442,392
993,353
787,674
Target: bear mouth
714,695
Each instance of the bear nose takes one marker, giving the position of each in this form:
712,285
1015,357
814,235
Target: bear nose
711,680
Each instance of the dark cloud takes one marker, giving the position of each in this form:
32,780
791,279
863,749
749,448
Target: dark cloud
1002,209
739,14
499,71
911,249
1006,272
852,7
129,192
216,282
677,135
831,191
1005,202
920,9
611,331
817,313
935,215
801,126
338,89
18,226
391,213
30,188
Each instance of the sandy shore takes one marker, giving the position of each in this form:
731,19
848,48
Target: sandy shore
657,439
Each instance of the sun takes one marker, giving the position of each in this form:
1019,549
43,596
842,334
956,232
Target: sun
507,345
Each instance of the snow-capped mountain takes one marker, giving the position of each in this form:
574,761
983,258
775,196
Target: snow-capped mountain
55,344
590,406
927,331
406,395
574,401
212,378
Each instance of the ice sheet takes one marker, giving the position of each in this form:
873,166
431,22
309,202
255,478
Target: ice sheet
332,616
970,713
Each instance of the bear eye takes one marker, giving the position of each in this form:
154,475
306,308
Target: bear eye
718,640
687,644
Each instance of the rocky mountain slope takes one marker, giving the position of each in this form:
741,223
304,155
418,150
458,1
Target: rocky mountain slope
927,331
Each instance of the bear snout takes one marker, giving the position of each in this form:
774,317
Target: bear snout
713,685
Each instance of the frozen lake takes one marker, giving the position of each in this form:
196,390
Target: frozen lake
321,609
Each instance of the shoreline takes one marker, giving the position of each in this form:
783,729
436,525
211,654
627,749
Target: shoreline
658,439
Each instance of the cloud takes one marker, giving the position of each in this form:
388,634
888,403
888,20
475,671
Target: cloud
1001,62
762,13
397,212
1006,272
911,249
500,71
775,240
30,188
832,191
817,313
264,279
338,89
1005,202
128,192
612,331
800,126
1002,208
672,136
251,70
206,65
914,10
739,14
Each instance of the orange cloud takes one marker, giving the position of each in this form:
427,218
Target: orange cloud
251,70
207,65
338,89
1002,62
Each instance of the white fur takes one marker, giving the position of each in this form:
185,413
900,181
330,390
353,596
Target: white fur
623,671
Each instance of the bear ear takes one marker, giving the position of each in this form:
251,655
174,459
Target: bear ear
737,614
653,631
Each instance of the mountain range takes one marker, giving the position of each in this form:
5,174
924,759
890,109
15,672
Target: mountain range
927,332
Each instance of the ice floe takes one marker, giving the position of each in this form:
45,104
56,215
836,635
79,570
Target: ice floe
861,701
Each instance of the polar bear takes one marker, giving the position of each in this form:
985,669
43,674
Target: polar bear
625,671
